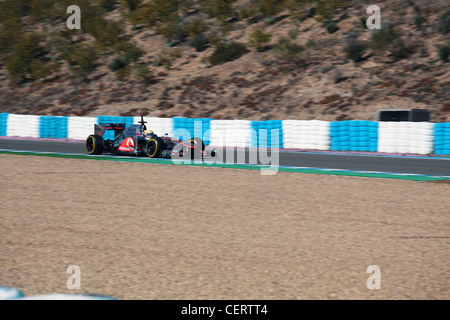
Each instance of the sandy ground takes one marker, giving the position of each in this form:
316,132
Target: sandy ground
147,231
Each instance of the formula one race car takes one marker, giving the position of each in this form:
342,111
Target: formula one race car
137,140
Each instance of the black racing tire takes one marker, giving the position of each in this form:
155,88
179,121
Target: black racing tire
154,147
197,142
196,152
94,144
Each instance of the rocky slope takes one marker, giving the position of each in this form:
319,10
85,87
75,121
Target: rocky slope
259,85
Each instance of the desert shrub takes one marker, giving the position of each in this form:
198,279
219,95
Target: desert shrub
41,68
45,9
172,30
143,74
129,50
14,9
28,59
363,22
84,59
106,33
10,34
355,50
399,49
310,43
118,63
443,25
382,38
107,5
123,73
444,53
168,56
154,11
326,9
270,7
247,11
198,42
225,52
419,20
196,27
289,51
258,38
131,5
220,9
331,27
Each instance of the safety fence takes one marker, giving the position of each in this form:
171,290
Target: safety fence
354,135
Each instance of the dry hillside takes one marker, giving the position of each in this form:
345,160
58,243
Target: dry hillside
302,72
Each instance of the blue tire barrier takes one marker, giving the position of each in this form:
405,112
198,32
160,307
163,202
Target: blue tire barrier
197,127
259,139
9,293
442,138
68,296
3,123
53,127
109,134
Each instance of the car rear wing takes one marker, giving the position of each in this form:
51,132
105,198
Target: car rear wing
102,127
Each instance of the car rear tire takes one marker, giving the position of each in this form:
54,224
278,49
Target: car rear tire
197,142
196,152
154,147
95,144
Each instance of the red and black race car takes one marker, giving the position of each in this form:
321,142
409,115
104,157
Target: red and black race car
137,140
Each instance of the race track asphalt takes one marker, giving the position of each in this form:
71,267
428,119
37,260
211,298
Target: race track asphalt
435,166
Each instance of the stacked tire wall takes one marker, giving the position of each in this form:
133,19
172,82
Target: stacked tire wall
442,138
361,136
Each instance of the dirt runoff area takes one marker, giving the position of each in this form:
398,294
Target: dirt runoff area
155,231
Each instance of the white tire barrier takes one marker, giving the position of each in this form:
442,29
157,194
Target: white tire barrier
160,126
9,293
406,137
26,126
79,128
230,133
306,134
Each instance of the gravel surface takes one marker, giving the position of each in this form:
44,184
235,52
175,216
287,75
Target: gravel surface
149,231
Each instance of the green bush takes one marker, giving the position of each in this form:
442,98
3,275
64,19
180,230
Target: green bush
383,37
131,5
258,38
118,63
10,34
84,58
196,27
326,9
14,9
225,52
198,42
331,27
444,23
172,30
107,5
419,20
310,43
399,49
288,51
270,7
363,22
355,50
29,59
168,56
444,53
143,74
220,9
122,73
129,50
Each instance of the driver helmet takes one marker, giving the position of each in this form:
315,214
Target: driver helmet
149,133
